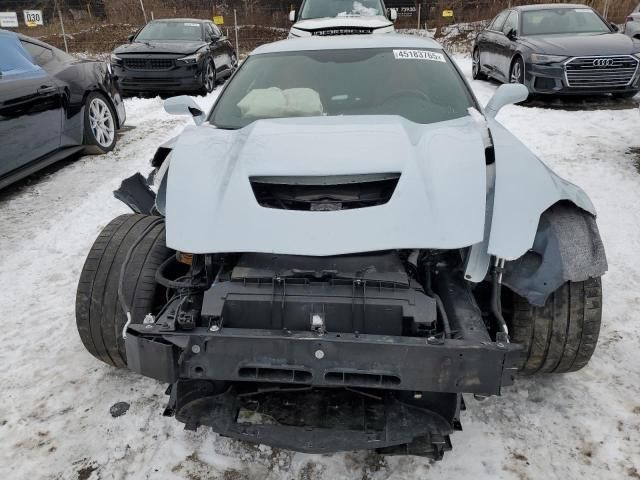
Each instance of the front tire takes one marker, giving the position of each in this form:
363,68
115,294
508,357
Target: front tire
99,315
516,72
99,125
561,336
208,76
476,68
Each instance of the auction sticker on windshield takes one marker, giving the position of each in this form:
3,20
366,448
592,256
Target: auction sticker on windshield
418,55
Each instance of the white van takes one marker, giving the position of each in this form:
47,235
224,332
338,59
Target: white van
341,17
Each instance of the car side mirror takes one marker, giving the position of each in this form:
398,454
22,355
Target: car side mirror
506,94
615,27
512,35
393,14
130,38
292,16
184,105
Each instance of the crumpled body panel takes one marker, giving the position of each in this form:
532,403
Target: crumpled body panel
439,201
525,187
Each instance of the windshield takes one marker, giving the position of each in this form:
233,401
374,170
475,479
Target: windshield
420,85
562,20
340,8
190,31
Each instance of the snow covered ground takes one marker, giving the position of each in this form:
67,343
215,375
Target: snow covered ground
55,419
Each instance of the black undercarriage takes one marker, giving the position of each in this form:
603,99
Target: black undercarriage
324,354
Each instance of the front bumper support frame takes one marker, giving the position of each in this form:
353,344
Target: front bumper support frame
427,364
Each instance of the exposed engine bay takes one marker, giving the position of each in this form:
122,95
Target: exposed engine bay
362,326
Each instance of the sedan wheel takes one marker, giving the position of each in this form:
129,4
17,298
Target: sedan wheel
476,70
100,125
209,79
517,72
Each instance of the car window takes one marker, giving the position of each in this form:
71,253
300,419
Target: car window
498,22
422,86
511,23
42,56
14,59
217,31
208,30
163,30
340,8
562,20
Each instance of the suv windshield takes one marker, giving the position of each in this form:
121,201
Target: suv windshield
420,85
562,20
340,8
170,31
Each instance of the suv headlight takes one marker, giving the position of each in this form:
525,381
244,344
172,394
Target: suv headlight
541,58
115,59
190,59
637,55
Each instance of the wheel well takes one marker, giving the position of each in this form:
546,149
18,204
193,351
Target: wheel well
107,98
567,248
517,56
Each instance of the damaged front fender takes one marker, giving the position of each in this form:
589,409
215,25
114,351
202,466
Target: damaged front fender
524,189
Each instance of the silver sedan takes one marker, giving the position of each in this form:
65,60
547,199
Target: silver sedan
632,27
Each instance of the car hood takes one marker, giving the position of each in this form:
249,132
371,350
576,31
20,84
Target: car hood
588,44
439,200
171,47
354,21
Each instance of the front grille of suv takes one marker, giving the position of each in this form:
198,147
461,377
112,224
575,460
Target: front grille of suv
594,72
342,31
148,63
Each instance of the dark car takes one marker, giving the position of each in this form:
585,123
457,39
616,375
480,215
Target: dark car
558,49
52,105
174,55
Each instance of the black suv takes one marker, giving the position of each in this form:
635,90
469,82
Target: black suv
174,55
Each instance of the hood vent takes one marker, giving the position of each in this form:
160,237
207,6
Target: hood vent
325,193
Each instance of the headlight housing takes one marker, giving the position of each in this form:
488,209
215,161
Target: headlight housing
115,59
542,58
637,55
190,59
295,33
389,29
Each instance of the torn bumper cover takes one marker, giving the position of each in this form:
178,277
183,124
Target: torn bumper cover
207,370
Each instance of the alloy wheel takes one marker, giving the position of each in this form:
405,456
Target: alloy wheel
210,77
101,122
516,73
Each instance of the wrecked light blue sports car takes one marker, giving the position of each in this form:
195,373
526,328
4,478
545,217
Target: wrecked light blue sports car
342,247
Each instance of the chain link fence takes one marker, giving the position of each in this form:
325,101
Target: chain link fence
95,27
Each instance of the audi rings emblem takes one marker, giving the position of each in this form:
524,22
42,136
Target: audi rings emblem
603,62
